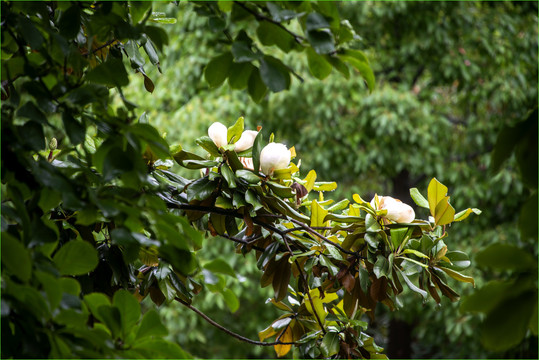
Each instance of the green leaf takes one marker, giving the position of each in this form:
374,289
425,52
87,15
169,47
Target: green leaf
316,21
74,129
242,52
231,300
200,189
152,137
111,317
322,41
330,344
159,348
418,198
239,75
132,49
15,257
358,60
319,67
220,266
412,287
129,309
217,69
381,267
76,257
398,235
94,301
151,326
274,74
29,32
207,144
527,220
252,199
281,190
459,260
258,145
271,34
256,87
339,65
248,176
70,22
110,73
506,257
235,131
513,314
137,10
228,175
415,252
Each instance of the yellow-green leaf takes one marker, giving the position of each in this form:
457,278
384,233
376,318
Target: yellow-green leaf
266,333
286,337
444,213
465,213
436,193
318,213
235,130
310,179
358,199
458,276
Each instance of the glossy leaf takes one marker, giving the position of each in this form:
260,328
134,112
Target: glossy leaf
330,344
418,198
151,326
217,69
76,258
274,74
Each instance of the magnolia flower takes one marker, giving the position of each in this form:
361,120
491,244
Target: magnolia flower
274,156
218,132
245,141
396,210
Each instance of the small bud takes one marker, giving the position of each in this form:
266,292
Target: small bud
53,144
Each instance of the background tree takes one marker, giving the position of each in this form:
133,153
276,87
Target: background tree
103,183
450,78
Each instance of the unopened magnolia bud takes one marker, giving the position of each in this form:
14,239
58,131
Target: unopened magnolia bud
245,141
396,210
274,156
53,144
218,133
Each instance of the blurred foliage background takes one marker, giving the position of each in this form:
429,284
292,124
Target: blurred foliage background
455,82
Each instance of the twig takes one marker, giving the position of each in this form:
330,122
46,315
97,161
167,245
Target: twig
312,231
231,333
108,43
261,17
244,242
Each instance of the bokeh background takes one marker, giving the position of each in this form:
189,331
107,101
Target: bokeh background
451,76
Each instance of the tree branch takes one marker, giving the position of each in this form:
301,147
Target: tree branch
312,231
262,17
231,333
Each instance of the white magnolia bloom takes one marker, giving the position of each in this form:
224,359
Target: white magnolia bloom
246,140
218,133
396,210
274,156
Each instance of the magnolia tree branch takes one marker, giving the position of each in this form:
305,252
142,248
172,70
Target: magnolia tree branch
229,332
